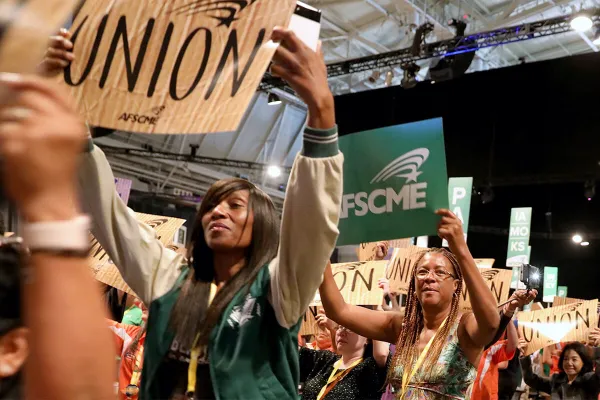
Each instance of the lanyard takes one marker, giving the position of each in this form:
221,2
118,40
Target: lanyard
406,377
195,353
335,377
133,389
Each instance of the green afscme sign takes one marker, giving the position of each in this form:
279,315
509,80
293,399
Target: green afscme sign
394,180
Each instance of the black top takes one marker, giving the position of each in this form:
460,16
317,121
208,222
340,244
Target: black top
173,372
584,387
510,378
365,382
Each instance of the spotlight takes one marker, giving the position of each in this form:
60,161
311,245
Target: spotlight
577,238
596,39
410,75
375,76
274,171
585,243
581,22
589,190
389,76
273,99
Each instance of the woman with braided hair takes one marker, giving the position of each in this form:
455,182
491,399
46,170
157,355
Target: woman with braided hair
437,346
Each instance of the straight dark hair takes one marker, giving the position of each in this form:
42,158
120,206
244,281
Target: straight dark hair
588,365
191,314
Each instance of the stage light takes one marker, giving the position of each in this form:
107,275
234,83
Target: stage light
389,76
585,243
274,171
411,70
273,99
581,22
374,76
589,190
577,238
596,39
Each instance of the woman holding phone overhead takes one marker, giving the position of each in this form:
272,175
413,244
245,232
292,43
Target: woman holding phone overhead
437,346
224,323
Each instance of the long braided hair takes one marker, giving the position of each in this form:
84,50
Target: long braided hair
407,346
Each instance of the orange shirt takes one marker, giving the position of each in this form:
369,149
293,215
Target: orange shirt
556,357
124,335
486,383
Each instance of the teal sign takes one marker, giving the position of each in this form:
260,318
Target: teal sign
550,284
394,180
459,196
562,291
518,237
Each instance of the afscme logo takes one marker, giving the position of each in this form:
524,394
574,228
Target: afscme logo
409,196
408,163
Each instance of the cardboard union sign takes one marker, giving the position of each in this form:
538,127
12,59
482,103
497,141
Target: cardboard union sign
368,251
568,323
309,323
26,26
400,267
175,66
498,280
358,282
561,301
106,272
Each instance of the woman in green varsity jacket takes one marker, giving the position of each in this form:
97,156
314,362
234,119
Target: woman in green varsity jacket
224,321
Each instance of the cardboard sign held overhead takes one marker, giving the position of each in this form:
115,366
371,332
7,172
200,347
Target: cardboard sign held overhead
358,282
366,251
26,26
498,280
106,272
561,301
400,266
568,323
309,323
176,66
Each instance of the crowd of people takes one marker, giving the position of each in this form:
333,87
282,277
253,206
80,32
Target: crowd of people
223,320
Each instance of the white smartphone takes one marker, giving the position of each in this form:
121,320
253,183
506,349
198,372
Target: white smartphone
306,24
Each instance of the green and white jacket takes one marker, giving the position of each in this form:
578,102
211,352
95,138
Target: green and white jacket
253,351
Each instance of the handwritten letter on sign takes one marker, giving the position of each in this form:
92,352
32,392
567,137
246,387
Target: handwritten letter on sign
177,66
568,323
358,282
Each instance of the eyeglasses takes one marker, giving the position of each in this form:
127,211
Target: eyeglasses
342,328
438,274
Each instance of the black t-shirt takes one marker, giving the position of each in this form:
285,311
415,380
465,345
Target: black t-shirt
510,378
173,372
364,382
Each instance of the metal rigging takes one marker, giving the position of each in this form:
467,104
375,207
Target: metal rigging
457,45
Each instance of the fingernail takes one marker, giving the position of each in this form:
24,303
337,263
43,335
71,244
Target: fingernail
9,77
63,30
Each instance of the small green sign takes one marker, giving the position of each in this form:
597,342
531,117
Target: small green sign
562,291
394,181
550,283
459,196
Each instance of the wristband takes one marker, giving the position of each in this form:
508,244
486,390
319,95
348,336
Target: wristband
65,237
